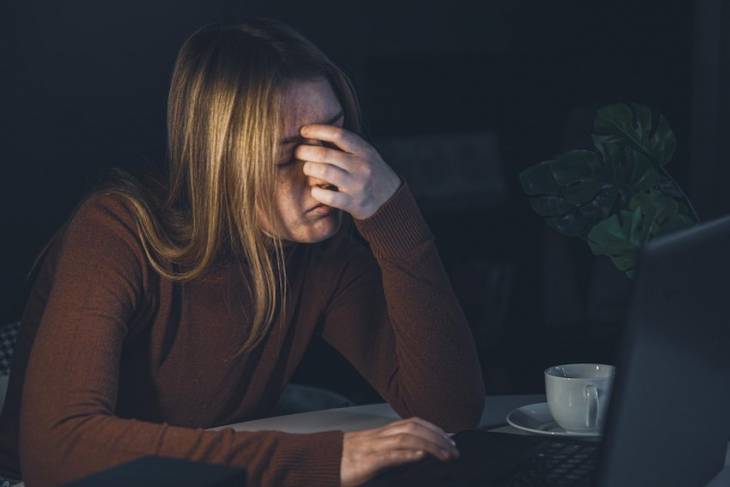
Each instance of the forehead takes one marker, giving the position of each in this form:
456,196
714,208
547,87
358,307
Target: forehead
307,102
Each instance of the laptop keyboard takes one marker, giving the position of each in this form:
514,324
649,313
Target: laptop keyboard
491,459
557,464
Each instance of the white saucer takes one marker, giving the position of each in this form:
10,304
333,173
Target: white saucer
536,418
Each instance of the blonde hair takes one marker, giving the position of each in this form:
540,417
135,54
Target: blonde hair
224,123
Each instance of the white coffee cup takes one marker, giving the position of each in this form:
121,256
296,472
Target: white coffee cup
578,394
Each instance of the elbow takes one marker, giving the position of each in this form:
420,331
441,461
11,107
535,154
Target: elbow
38,450
478,411
50,448
468,411
468,416
452,412
476,406
455,417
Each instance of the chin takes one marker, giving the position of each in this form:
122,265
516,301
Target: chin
321,229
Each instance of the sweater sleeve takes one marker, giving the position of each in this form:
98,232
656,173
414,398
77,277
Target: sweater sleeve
395,317
68,427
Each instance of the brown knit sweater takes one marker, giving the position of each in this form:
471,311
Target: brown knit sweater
124,363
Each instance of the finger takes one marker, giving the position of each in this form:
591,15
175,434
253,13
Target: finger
327,172
408,441
319,153
416,425
392,458
335,199
341,137
430,425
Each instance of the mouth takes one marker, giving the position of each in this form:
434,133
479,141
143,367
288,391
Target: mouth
320,209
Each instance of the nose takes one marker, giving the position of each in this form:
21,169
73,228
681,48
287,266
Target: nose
312,181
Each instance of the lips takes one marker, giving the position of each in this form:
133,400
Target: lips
320,209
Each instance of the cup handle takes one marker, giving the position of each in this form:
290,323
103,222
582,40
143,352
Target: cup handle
591,395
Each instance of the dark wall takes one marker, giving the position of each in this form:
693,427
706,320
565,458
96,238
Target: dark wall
88,82
710,113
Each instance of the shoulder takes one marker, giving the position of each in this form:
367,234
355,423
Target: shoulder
97,252
103,229
104,209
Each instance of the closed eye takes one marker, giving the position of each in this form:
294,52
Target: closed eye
289,162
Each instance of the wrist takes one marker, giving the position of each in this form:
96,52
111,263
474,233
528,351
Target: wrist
397,226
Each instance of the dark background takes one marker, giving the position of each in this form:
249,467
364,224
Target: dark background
86,85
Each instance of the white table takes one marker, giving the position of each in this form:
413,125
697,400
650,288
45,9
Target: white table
370,416
379,414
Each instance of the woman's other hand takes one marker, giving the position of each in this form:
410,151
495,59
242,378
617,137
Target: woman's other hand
368,452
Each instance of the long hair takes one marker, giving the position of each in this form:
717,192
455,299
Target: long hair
224,121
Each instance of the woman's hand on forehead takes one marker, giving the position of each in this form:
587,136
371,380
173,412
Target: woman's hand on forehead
365,182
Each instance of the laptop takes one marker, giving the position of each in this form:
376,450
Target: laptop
668,420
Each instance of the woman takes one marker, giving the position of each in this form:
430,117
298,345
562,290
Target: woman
165,309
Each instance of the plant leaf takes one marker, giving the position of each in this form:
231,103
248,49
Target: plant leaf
576,166
601,206
538,179
573,191
643,174
633,125
619,196
674,223
551,205
612,237
663,141
570,224
667,186
663,213
580,194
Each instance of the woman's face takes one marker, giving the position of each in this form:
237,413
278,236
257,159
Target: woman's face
305,102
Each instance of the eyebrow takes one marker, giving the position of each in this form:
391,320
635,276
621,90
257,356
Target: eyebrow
329,121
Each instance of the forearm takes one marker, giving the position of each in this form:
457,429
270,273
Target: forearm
66,450
438,370
438,373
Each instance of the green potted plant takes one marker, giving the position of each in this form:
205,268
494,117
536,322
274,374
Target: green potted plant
618,195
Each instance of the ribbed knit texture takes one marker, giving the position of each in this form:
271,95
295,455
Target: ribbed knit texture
397,227
113,362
